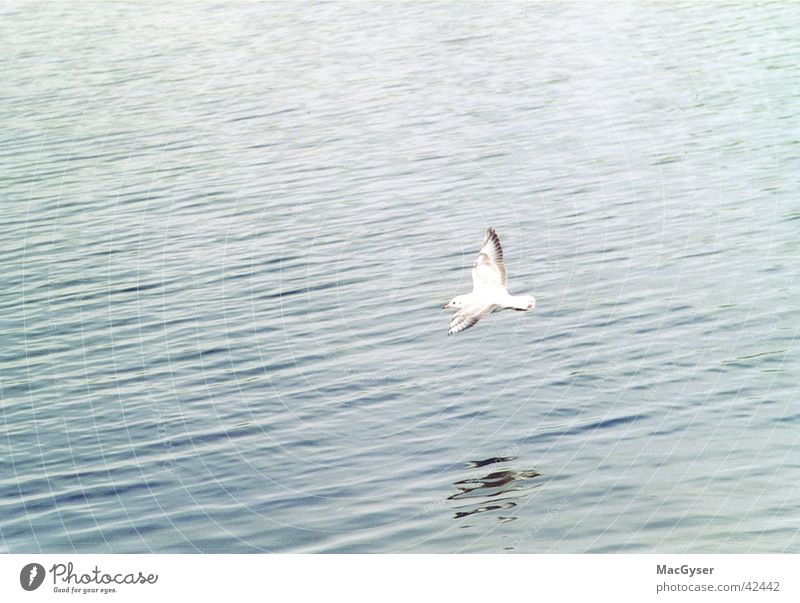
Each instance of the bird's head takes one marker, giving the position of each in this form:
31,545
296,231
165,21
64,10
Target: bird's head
457,302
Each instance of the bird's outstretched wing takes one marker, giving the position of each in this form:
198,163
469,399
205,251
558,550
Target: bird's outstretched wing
489,269
468,316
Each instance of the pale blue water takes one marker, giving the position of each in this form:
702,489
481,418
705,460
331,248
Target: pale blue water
228,232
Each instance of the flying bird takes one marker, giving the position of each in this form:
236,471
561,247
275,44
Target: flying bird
489,292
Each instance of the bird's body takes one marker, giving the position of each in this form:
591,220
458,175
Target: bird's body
489,293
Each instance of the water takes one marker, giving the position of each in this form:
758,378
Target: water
228,233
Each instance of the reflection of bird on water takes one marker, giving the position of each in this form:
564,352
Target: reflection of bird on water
494,491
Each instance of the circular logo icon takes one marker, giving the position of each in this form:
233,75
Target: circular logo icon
31,576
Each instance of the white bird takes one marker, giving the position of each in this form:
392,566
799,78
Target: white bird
489,293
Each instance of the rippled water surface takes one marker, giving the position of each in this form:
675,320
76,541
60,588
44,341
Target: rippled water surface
228,231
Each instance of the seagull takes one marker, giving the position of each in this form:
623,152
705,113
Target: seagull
489,293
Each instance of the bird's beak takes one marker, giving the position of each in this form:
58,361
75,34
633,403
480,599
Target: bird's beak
447,305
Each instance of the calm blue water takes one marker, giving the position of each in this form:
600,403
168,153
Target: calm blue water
228,231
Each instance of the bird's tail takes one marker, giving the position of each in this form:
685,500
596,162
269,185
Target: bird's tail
523,303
